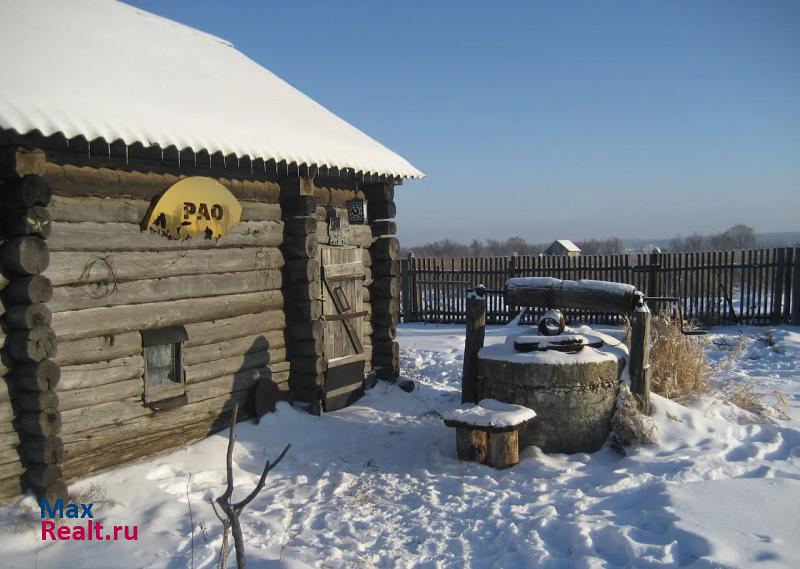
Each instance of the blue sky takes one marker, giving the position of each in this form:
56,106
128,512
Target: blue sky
636,119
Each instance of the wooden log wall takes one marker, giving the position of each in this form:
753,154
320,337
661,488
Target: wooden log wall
31,449
303,304
80,281
110,280
11,468
384,289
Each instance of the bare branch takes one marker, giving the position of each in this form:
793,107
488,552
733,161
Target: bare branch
267,467
229,459
216,512
232,511
191,517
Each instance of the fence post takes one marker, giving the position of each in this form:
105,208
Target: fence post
789,261
777,286
513,265
796,287
476,330
640,357
405,285
654,280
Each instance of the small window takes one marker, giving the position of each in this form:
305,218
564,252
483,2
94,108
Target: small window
164,378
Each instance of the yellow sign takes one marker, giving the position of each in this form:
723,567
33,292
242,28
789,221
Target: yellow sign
194,206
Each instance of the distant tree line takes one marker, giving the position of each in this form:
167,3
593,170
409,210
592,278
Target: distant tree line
496,248
737,237
610,246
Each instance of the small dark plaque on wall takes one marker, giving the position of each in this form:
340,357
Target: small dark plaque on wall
339,231
357,212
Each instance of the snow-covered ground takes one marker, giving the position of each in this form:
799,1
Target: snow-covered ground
378,484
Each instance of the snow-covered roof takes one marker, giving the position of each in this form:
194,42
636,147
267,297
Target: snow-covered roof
105,70
567,245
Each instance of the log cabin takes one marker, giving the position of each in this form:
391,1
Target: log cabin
182,232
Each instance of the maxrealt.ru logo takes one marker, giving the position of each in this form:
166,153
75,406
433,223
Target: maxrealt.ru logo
90,530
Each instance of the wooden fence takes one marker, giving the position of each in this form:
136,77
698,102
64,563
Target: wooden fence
756,286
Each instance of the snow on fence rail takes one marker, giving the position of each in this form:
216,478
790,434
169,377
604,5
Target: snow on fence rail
753,286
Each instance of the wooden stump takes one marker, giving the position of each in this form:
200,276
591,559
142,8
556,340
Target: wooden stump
489,432
503,449
471,444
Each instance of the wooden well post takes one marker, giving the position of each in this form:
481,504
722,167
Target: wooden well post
640,357
476,330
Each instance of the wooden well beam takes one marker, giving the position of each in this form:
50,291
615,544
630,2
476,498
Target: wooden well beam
598,296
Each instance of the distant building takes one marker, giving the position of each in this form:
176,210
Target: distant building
563,248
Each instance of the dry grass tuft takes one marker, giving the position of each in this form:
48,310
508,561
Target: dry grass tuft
747,398
680,368
94,493
781,404
626,328
735,351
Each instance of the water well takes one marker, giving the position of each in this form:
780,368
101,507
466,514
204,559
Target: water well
570,380
569,377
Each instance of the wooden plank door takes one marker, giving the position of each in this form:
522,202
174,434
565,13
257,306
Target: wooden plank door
343,316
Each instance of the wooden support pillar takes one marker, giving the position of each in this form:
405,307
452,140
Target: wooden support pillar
301,290
640,357
385,289
476,330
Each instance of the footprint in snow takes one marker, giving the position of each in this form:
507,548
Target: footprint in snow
162,472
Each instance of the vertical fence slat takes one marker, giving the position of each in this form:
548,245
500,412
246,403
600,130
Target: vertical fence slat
786,315
796,287
777,286
747,269
760,278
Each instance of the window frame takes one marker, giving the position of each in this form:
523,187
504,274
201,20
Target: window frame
170,395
